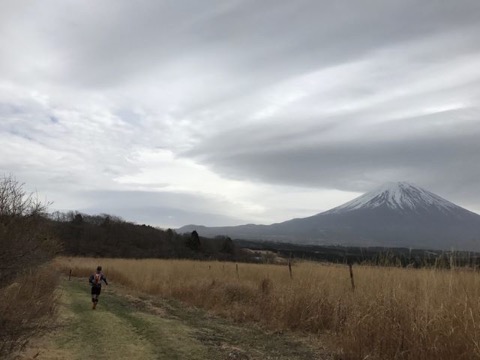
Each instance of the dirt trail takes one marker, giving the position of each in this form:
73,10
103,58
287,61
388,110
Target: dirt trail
124,327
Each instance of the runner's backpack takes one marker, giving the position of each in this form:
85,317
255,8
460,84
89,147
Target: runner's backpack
97,279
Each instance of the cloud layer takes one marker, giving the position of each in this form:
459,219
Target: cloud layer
228,112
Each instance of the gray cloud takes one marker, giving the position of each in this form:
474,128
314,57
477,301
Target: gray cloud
211,108
440,156
160,208
115,40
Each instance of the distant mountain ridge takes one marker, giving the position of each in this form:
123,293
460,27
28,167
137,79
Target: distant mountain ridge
397,214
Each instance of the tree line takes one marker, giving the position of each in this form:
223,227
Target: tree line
110,236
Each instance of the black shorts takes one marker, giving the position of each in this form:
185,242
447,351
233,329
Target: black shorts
96,290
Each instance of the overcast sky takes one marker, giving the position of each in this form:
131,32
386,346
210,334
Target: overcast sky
227,112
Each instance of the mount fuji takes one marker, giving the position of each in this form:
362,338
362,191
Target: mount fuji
396,214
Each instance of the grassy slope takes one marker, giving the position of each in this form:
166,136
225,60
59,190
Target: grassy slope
126,327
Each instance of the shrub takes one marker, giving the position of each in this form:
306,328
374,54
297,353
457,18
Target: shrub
26,309
26,286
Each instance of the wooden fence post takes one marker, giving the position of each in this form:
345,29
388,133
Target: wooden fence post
69,274
236,266
351,276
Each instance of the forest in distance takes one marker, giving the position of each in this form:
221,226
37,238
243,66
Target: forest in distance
110,236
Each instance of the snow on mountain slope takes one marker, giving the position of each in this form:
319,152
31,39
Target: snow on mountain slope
397,196
394,215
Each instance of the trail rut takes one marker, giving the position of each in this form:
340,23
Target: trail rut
130,327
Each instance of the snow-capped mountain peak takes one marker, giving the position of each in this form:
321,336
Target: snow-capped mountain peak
394,215
397,196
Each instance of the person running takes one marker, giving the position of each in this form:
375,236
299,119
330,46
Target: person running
96,284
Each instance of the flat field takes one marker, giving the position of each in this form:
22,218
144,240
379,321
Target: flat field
393,313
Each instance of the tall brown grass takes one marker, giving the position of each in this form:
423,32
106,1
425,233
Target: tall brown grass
393,314
27,306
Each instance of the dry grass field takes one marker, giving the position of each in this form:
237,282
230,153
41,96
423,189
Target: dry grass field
392,314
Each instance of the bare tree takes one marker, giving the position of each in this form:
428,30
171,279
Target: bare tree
27,296
25,239
15,201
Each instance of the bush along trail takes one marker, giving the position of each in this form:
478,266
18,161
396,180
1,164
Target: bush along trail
127,327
